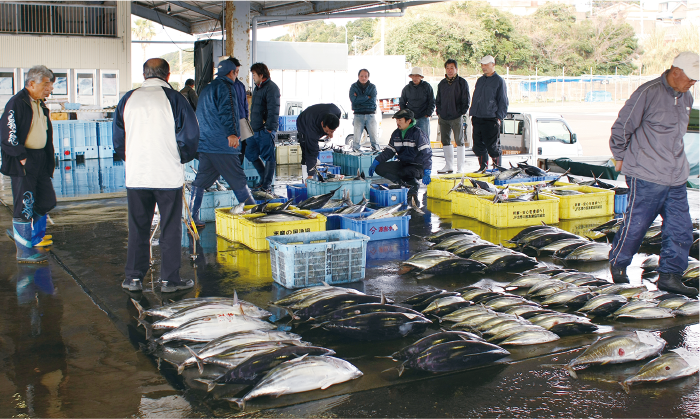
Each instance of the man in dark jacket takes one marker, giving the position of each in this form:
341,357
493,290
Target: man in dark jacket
363,97
412,148
264,119
26,136
418,96
647,143
489,107
315,122
155,132
451,104
189,93
219,140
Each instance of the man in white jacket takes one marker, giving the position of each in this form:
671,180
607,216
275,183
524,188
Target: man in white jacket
155,131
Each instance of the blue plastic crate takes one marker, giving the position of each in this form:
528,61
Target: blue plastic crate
525,179
271,201
352,163
287,123
211,201
325,156
387,198
621,203
338,159
308,259
297,191
356,188
104,140
379,252
247,165
333,220
379,229
75,138
252,177
328,168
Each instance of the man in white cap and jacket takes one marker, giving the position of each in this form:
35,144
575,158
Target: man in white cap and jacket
489,107
418,96
647,143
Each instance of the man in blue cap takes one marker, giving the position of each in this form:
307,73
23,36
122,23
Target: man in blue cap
411,147
219,140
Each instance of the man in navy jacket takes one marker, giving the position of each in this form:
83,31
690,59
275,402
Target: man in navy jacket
155,132
315,122
27,157
219,141
412,148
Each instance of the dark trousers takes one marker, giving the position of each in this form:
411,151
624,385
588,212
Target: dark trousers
397,172
486,135
309,152
262,146
211,166
141,205
645,202
33,193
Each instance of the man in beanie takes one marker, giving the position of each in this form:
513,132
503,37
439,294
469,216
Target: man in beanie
489,107
419,98
647,143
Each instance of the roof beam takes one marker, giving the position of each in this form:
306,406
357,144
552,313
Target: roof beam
162,18
195,9
312,7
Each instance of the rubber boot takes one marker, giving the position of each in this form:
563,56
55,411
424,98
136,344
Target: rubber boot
22,234
449,153
269,175
260,168
619,274
244,195
482,164
460,159
39,232
196,195
672,283
496,161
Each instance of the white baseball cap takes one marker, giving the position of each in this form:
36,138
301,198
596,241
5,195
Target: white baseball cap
416,71
689,62
488,59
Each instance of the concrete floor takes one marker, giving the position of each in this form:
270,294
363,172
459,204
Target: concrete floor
70,347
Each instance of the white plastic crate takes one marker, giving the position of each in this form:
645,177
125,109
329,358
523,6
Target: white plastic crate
308,259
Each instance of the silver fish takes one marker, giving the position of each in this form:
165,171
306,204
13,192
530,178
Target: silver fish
384,212
205,329
632,305
209,309
689,309
647,313
530,337
592,252
677,363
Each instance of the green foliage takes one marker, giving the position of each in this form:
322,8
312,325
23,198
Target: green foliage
360,31
173,58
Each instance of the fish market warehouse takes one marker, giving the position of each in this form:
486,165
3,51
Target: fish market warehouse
488,295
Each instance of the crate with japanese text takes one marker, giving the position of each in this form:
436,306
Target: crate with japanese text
377,229
515,214
585,201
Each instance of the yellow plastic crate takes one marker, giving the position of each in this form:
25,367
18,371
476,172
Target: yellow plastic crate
441,184
227,224
583,226
245,266
253,234
487,232
594,202
465,204
517,214
442,208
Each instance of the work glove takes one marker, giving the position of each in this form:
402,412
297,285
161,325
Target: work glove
426,177
374,165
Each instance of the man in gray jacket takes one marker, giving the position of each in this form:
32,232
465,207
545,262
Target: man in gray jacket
489,107
647,144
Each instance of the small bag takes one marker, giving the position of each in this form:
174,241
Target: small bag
245,129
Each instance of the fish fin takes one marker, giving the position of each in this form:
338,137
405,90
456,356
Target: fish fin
240,402
571,371
181,368
209,383
146,325
401,369
625,386
383,298
325,284
140,309
158,362
235,297
200,364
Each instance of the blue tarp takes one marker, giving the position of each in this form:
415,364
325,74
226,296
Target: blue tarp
692,152
598,96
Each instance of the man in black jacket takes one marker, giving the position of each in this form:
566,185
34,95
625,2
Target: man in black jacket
189,93
418,96
264,119
26,137
411,147
451,104
489,107
315,122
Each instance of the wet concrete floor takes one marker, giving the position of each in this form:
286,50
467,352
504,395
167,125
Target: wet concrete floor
70,347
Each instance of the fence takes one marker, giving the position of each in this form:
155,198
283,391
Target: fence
58,19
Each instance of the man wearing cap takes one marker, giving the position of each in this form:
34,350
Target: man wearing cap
647,143
412,148
419,98
313,124
219,147
451,104
489,107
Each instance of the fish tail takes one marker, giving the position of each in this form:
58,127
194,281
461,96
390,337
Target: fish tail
200,364
571,371
181,368
240,402
146,325
209,383
140,309
625,386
